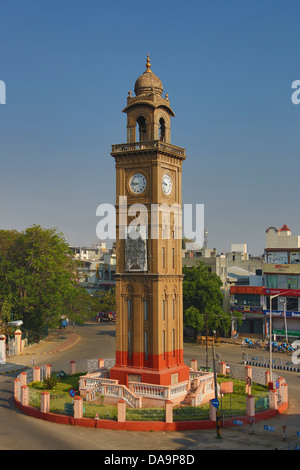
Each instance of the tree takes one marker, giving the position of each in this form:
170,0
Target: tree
107,300
194,319
38,277
202,291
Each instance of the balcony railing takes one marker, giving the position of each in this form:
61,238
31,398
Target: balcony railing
148,145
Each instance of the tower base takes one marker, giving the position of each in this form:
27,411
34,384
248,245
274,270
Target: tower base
168,376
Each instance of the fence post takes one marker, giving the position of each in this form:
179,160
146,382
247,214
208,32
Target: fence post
37,374
248,379
45,401
72,367
273,398
194,365
48,370
222,368
17,385
284,392
24,395
267,377
250,405
169,411
18,341
23,378
78,407
121,411
2,349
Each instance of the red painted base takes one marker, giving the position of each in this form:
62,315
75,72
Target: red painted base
167,376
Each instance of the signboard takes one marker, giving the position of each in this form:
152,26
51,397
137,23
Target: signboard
226,387
280,313
238,422
242,308
268,428
295,257
284,292
295,334
281,268
277,257
215,402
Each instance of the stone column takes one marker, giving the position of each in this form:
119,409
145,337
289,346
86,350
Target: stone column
121,411
37,374
194,365
72,367
2,349
100,363
222,368
250,405
196,382
45,402
18,341
169,411
78,407
24,395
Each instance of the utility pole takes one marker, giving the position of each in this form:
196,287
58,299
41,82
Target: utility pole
206,352
216,394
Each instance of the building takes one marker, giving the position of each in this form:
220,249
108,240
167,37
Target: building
246,281
97,268
149,329
282,274
217,264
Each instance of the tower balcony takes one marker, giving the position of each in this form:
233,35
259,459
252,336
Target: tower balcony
152,145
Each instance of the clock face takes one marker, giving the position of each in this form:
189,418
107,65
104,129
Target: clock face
137,183
166,184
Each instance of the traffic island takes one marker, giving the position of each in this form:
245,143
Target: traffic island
135,415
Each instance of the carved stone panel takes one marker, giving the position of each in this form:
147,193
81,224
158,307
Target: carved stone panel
135,254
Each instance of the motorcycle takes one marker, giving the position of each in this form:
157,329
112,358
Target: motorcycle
274,346
249,343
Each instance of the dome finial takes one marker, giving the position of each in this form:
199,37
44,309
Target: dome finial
148,65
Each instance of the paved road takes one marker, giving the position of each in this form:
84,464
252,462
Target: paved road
18,431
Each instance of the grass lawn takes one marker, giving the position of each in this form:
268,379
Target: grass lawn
61,402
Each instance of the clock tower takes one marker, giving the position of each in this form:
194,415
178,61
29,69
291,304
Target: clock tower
149,329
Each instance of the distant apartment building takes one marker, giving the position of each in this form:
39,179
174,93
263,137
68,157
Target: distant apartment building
216,263
282,274
242,282
98,267
245,276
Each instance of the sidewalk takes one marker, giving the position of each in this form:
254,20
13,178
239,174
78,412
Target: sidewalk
57,341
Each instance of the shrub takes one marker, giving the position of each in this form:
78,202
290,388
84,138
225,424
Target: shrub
50,382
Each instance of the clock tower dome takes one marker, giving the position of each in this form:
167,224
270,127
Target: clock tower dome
149,328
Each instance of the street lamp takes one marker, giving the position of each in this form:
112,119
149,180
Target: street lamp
284,312
271,348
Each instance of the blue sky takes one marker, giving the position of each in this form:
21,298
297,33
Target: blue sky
227,67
